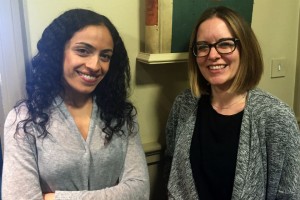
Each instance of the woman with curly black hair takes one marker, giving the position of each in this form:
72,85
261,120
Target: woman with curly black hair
75,136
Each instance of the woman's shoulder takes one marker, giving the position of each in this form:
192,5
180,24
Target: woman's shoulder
264,103
20,111
14,116
263,98
184,104
186,97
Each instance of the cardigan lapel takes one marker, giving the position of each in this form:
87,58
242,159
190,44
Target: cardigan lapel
249,182
243,157
182,186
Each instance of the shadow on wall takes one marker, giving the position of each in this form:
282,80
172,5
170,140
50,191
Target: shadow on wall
297,84
1,163
171,79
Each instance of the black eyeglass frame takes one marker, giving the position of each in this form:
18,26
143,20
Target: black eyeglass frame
235,40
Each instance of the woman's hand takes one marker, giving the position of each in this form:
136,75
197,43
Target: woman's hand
49,196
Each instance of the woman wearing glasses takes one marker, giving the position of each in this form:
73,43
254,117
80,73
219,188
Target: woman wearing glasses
227,139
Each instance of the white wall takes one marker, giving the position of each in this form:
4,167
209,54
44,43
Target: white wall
275,23
12,61
12,56
297,86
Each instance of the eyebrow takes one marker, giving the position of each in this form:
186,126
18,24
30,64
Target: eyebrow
93,48
221,39
107,50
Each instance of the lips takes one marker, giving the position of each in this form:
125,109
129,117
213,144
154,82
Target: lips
216,67
88,77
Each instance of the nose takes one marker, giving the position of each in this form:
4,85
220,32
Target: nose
93,63
213,54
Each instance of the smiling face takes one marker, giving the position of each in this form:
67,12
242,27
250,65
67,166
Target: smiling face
86,59
218,69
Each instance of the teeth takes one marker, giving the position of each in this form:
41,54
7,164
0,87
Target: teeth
216,66
86,76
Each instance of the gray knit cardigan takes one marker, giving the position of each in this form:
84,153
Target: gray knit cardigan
268,160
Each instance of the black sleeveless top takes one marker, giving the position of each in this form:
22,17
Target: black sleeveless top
213,151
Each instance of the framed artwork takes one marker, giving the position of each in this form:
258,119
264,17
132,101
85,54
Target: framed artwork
169,23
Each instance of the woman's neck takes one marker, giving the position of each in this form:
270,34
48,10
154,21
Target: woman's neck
80,109
227,103
77,101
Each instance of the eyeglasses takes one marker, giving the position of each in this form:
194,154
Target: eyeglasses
223,46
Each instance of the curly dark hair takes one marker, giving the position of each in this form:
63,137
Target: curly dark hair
45,81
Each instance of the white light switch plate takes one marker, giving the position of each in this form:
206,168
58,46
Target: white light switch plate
278,67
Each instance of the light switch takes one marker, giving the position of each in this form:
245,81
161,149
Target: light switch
278,67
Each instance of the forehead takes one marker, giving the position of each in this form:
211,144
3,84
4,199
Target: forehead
93,34
212,30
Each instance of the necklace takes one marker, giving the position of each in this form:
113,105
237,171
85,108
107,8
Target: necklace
239,101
